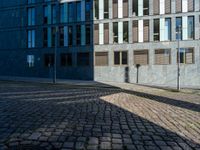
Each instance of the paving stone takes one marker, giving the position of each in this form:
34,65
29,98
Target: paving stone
68,145
105,145
97,118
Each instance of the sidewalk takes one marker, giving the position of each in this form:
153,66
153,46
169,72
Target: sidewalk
126,86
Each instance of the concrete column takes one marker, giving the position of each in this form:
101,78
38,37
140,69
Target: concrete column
173,6
151,56
66,36
140,7
120,32
197,27
130,57
174,56
140,34
150,7
173,28
162,29
111,57
184,5
197,5
130,30
162,7
130,5
185,27
120,8
151,30
83,34
110,33
83,10
101,9
110,9
101,33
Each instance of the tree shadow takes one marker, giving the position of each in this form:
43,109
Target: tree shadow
78,122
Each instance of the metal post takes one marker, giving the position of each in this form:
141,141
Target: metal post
178,65
56,44
55,56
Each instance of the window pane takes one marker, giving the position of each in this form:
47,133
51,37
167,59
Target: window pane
117,58
191,27
124,58
179,24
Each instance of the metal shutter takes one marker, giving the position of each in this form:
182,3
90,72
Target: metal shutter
115,8
156,6
167,6
141,57
146,30
135,31
178,6
106,33
101,58
96,34
125,8
190,5
189,57
162,57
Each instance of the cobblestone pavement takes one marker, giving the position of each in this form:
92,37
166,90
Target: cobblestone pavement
43,116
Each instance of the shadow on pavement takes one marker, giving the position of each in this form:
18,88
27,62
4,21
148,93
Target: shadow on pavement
80,120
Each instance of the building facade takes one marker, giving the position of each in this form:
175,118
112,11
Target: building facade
103,40
131,32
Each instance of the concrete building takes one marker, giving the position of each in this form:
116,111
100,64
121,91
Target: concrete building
102,40
130,32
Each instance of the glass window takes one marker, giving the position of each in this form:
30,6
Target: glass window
135,7
179,24
191,27
168,29
62,13
124,58
141,57
96,9
120,58
53,36
162,56
117,58
125,32
87,9
115,32
83,59
31,16
66,59
156,30
106,9
45,19
31,38
78,11
70,35
61,29
78,34
186,55
101,59
45,37
146,7
71,12
49,60
87,35
53,14
31,1
30,60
